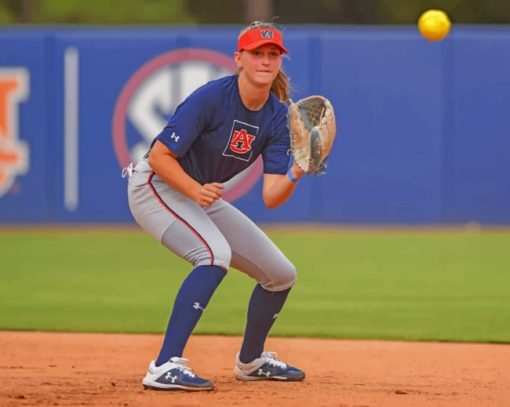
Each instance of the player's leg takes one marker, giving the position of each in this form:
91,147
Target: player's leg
256,255
184,228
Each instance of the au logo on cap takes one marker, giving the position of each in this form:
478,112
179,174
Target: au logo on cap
267,34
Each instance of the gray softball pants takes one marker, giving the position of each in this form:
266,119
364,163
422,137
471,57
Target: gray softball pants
220,235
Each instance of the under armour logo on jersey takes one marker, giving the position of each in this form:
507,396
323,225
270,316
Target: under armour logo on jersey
241,141
266,34
173,136
197,306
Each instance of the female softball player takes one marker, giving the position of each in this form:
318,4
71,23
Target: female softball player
175,194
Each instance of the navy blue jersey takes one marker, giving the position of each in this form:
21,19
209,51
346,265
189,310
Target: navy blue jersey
215,136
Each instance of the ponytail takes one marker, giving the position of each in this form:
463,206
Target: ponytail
281,86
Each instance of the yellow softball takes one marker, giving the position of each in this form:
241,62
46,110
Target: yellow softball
434,25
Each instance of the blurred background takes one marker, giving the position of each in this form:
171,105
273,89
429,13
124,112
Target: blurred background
423,127
238,11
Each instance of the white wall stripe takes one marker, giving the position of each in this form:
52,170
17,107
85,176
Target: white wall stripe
71,135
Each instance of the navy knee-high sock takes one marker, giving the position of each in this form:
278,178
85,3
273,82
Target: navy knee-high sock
262,311
192,298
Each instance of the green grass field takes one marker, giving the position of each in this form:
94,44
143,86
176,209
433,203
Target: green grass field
447,286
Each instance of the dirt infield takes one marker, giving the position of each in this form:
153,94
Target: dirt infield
63,369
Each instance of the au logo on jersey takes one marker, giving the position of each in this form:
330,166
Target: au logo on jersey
14,89
241,140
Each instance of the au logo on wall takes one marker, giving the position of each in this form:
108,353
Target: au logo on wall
151,95
14,157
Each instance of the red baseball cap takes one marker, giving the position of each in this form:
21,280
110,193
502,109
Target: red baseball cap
256,37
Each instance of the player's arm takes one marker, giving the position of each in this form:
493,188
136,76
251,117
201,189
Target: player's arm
276,188
164,163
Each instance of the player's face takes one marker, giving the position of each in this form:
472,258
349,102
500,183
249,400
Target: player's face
260,65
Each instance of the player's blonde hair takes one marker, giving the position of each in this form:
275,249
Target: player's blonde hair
281,84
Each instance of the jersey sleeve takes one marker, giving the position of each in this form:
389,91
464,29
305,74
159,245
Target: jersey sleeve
187,123
276,154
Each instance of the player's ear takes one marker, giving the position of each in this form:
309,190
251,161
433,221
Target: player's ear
237,59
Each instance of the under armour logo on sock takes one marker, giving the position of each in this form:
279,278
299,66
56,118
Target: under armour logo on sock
197,306
169,376
275,315
174,137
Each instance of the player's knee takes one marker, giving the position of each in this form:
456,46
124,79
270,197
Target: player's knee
283,279
220,256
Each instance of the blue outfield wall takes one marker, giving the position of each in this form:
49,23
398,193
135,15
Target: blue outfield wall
423,128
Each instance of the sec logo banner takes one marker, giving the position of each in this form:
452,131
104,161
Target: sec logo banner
152,94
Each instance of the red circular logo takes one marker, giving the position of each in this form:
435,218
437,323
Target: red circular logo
151,95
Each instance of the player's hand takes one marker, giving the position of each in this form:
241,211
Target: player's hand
209,193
